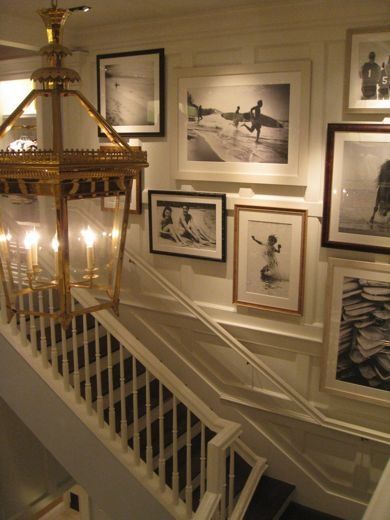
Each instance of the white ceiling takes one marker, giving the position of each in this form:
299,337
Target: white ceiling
110,12
107,12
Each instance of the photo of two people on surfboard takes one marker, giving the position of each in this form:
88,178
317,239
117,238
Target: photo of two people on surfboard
246,123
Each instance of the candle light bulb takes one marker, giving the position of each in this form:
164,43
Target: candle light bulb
4,237
31,245
115,233
89,236
31,239
55,244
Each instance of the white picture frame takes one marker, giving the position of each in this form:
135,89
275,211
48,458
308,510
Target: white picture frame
359,71
280,156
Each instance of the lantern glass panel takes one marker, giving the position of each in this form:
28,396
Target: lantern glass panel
93,250
27,229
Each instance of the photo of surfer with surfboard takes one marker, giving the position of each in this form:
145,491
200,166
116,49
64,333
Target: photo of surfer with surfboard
240,123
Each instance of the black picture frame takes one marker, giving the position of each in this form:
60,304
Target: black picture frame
131,96
355,212
201,236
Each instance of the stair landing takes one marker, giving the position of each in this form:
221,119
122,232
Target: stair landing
269,500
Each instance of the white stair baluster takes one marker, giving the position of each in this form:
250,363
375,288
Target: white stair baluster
135,413
75,350
99,393
231,482
88,390
188,491
223,489
175,467
65,362
53,339
33,328
43,341
123,399
161,455
3,306
149,448
202,460
22,316
111,407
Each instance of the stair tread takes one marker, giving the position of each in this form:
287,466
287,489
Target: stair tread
168,434
296,511
268,499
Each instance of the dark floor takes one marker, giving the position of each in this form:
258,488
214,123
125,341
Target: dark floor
297,512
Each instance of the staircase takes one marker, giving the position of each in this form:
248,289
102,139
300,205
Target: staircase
185,451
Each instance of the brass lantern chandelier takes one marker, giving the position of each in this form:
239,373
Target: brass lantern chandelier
49,246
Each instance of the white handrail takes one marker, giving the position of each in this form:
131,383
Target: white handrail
160,371
250,487
228,432
208,507
379,505
314,414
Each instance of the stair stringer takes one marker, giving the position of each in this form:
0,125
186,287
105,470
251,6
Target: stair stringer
56,420
314,489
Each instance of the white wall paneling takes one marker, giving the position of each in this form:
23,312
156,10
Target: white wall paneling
312,30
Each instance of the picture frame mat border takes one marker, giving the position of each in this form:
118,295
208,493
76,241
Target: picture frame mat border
347,109
208,173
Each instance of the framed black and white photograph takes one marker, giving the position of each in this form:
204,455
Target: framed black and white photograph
269,253
131,91
357,324
191,224
244,124
109,203
357,194
367,70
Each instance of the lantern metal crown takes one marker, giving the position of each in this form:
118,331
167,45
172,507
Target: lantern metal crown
47,196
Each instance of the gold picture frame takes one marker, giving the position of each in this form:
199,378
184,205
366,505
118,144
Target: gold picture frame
108,203
275,282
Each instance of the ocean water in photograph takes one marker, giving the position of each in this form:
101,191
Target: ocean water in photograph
356,209
129,99
217,139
